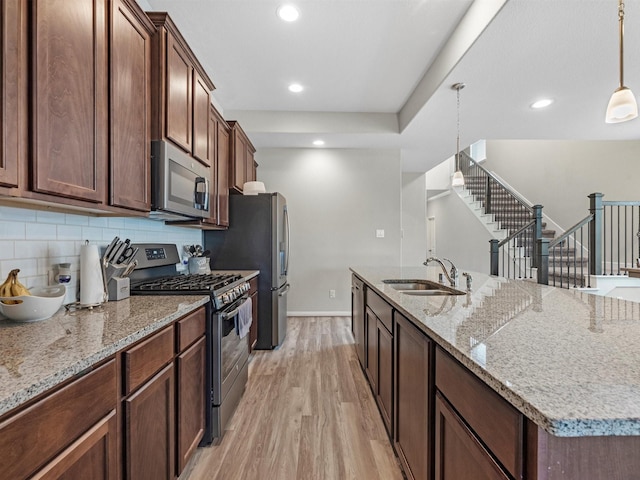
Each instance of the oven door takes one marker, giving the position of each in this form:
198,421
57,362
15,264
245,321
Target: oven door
230,352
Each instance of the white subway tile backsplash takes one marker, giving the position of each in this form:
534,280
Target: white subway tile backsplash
40,231
12,230
36,241
69,232
71,219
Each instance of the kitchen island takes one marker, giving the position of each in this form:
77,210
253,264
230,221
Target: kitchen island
562,364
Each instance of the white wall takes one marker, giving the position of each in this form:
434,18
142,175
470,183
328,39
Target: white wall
559,174
459,234
337,199
414,214
36,240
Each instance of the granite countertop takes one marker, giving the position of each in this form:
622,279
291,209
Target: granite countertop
566,359
37,356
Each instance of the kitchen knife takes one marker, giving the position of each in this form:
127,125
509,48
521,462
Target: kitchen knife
117,252
110,248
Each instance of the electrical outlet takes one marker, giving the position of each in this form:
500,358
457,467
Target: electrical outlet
51,277
332,294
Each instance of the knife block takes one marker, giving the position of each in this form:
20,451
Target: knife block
118,288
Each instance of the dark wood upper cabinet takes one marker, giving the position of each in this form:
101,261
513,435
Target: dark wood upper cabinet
179,91
241,157
70,98
130,114
213,158
13,102
223,161
201,112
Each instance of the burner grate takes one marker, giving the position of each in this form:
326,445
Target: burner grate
212,282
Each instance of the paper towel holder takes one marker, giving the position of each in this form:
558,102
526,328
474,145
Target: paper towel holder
79,306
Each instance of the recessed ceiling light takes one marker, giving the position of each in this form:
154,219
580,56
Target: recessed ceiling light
295,88
318,143
545,102
288,13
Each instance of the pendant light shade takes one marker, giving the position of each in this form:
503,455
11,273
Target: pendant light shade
622,105
458,179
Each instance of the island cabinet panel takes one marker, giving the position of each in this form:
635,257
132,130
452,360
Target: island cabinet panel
371,354
64,430
458,452
357,317
150,429
13,102
70,98
579,458
130,178
492,419
413,399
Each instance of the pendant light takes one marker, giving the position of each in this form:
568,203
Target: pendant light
458,178
622,106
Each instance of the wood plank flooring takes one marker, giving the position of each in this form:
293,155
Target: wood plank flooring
307,413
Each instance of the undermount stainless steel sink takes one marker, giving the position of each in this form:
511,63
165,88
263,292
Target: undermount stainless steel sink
420,287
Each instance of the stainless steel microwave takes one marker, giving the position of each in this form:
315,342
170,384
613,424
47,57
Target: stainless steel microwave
180,184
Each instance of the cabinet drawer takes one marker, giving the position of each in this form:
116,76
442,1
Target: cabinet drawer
492,419
190,328
147,358
34,436
381,308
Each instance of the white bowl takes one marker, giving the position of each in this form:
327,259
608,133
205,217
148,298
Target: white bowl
43,303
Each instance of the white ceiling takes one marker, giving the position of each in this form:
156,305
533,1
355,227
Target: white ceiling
377,73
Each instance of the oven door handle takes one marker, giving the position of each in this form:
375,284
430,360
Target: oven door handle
225,315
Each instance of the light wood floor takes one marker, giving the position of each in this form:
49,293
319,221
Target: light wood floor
307,413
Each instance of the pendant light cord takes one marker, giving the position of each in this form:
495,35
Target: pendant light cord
459,86
621,22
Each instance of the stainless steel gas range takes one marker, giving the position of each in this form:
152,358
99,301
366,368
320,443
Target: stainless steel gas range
227,353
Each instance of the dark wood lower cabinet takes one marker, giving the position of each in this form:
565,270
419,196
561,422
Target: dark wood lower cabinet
357,317
371,348
384,392
150,429
413,399
93,456
191,400
458,452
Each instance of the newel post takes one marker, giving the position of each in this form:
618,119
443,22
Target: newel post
542,254
495,249
595,234
537,215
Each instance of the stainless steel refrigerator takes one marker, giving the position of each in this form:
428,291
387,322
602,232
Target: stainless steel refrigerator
258,239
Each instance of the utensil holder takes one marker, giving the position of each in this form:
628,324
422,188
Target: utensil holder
199,265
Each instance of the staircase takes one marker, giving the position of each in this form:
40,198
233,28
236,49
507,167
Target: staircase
511,216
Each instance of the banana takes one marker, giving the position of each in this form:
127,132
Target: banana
5,289
17,289
13,288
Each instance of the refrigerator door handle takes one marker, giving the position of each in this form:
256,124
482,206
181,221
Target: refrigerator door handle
286,224
284,292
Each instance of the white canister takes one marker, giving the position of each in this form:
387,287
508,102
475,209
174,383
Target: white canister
199,265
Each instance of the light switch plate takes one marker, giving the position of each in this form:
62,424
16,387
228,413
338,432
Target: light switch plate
379,233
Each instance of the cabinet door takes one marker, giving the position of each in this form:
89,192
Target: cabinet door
357,318
179,95
70,98
250,165
457,451
93,456
213,159
150,429
384,390
223,174
13,101
238,169
413,387
201,115
130,179
371,329
191,401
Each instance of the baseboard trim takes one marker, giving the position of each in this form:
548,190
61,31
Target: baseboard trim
318,314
